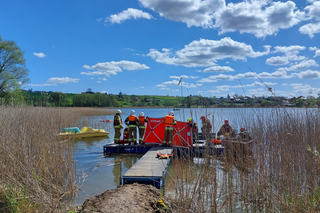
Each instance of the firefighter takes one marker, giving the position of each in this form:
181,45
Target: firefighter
244,135
117,125
225,130
206,127
132,121
194,127
168,133
142,126
125,135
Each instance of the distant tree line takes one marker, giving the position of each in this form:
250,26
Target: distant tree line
95,100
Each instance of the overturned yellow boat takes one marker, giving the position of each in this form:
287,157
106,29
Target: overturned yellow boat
86,132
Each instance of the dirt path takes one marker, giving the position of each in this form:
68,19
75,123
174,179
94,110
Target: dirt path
128,198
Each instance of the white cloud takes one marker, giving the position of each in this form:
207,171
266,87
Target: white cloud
183,77
160,85
103,79
42,85
290,54
198,70
218,69
194,13
111,68
184,84
310,29
215,78
40,55
204,52
303,89
130,13
99,19
259,17
317,51
276,61
309,74
313,10
63,80
284,84
300,66
142,87
99,82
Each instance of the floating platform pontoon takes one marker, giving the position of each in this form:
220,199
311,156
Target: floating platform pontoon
149,169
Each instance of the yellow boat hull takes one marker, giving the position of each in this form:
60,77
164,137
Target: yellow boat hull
86,132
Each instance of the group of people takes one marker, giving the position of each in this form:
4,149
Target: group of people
133,122
225,130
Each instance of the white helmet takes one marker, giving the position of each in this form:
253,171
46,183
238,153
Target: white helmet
141,114
132,112
171,113
118,111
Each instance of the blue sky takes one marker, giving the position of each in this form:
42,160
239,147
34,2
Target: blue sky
143,47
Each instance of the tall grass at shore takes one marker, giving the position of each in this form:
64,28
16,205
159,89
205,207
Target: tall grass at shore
281,174
37,169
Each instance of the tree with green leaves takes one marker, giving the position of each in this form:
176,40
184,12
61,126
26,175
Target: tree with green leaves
13,71
59,99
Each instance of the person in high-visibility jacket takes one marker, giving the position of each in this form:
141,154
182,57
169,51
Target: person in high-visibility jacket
142,126
244,135
132,121
194,128
125,135
206,127
117,125
225,130
168,133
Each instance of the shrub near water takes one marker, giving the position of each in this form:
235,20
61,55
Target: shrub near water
37,170
281,175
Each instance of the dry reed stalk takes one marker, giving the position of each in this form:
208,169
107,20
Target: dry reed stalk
34,162
280,174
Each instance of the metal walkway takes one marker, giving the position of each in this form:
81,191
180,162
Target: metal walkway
149,169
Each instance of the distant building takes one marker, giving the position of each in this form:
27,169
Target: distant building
89,91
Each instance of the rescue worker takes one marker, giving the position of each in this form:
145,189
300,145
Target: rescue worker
206,127
132,121
244,135
168,133
117,125
194,127
125,135
142,126
225,130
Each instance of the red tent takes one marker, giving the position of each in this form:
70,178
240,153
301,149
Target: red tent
155,133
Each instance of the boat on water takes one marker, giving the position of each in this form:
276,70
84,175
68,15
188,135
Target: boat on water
176,109
86,132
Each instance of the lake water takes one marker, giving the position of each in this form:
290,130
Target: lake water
96,173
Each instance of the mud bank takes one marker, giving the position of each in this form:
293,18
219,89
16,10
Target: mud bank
127,198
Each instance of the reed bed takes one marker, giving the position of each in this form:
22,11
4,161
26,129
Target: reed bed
279,174
37,170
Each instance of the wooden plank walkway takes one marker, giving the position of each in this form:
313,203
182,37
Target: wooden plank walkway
149,169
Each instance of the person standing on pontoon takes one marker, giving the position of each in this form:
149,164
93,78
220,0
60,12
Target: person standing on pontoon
206,128
132,121
225,130
194,127
142,126
168,133
117,125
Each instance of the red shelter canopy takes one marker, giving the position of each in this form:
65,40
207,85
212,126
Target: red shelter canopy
155,133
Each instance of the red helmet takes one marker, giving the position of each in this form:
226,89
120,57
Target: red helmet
242,129
202,117
226,121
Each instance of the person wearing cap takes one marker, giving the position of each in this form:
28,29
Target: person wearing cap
225,130
206,127
117,125
169,125
244,135
132,121
142,126
194,127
